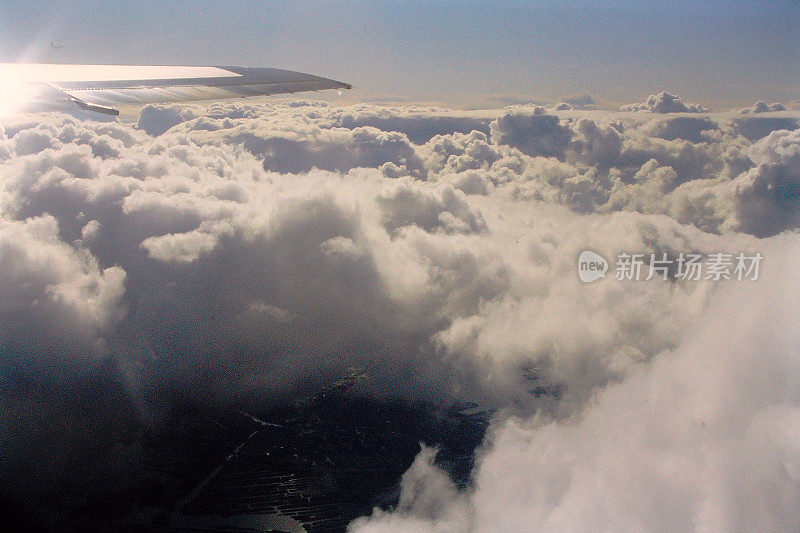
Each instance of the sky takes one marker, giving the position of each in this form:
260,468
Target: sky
721,54
219,253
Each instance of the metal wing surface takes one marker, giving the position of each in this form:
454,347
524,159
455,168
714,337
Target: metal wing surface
104,88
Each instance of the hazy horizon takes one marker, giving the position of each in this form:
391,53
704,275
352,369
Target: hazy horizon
722,55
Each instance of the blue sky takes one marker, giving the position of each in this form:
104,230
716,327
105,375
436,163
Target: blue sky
722,53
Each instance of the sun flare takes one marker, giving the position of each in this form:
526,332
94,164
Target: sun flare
15,93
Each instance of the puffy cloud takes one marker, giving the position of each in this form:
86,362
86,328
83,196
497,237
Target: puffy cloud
597,145
763,107
684,128
664,102
702,438
446,209
767,195
291,149
429,501
534,134
419,124
236,249
156,120
54,294
755,128
580,102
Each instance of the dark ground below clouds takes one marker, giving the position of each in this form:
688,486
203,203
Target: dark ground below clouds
323,461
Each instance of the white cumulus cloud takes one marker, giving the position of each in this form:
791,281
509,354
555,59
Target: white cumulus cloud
237,249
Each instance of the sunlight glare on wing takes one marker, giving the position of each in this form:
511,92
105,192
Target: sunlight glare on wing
57,73
15,94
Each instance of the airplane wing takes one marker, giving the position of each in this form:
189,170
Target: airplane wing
104,88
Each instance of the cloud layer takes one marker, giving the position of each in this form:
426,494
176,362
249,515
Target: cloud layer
664,102
247,249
